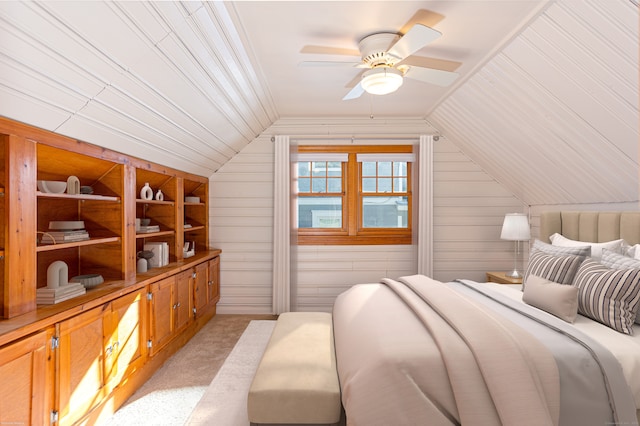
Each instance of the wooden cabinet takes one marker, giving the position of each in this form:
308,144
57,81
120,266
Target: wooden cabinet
207,286
126,347
98,350
81,375
106,336
214,280
26,388
171,308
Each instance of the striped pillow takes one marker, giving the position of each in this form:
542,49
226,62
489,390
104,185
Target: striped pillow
559,269
609,296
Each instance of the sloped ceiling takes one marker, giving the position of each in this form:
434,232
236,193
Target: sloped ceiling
554,115
546,101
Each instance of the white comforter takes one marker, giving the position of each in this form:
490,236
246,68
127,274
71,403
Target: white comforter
625,348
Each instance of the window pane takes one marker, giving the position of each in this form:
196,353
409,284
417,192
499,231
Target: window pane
320,212
303,168
334,168
334,184
319,185
384,184
384,168
369,168
399,168
400,185
304,185
368,184
319,168
384,212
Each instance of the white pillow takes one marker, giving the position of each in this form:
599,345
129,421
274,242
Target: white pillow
596,248
633,251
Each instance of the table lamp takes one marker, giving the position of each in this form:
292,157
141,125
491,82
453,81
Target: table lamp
515,228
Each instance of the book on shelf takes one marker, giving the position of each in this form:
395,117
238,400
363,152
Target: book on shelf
149,228
63,236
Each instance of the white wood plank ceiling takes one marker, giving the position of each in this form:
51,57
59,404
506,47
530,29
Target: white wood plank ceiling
546,102
554,115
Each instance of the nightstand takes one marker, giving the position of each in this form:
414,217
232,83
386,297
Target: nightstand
501,278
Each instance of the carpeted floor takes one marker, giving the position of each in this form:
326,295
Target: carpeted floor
170,395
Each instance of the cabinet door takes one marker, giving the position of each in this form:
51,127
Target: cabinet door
214,280
200,288
26,387
161,313
81,376
126,342
183,303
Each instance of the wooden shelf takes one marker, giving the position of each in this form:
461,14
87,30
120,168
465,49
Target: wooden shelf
166,203
89,242
78,196
194,228
155,234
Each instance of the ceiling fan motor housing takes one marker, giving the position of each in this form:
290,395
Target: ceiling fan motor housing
374,49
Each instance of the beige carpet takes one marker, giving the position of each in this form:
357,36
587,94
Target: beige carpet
225,401
171,394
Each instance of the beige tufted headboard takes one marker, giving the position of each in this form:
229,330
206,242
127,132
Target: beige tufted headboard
591,226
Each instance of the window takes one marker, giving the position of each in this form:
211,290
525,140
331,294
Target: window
353,194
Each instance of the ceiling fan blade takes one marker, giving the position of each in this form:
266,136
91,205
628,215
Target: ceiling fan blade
426,62
432,76
329,64
415,39
354,93
424,17
326,50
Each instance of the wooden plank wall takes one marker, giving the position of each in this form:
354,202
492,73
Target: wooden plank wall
468,213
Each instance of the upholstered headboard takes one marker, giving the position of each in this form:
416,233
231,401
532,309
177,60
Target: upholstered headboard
591,226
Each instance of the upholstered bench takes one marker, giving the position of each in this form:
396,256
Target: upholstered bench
296,381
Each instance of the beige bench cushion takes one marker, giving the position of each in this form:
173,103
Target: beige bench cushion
296,380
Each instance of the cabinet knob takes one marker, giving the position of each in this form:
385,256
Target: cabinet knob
210,282
193,275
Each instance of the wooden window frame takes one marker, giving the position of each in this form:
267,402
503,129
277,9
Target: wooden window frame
352,232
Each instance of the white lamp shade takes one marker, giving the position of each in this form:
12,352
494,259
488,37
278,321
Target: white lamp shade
381,81
515,227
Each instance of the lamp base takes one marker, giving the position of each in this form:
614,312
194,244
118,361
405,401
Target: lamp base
514,274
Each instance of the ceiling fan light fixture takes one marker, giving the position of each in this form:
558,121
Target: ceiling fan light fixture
381,80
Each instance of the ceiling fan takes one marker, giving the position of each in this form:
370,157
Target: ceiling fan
386,58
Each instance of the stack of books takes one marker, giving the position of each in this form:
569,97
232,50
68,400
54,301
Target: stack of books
57,237
149,228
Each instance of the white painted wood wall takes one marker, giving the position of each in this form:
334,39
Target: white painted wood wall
468,213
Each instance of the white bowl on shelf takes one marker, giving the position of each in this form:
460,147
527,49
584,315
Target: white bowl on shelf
191,199
52,186
66,225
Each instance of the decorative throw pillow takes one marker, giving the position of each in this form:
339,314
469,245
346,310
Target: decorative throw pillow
559,269
614,260
609,296
617,261
557,299
560,250
596,248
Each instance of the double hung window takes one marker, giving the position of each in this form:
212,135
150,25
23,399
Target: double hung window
353,194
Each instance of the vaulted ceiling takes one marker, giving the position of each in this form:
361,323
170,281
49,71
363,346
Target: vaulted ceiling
546,99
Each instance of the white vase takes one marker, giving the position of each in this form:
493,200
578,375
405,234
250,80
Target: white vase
159,195
146,193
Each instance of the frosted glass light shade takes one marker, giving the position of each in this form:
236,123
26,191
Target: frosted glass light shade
381,81
515,227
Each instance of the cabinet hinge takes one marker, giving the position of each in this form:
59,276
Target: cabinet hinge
149,344
149,296
54,416
55,343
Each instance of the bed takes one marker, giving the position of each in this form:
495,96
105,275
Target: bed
414,351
